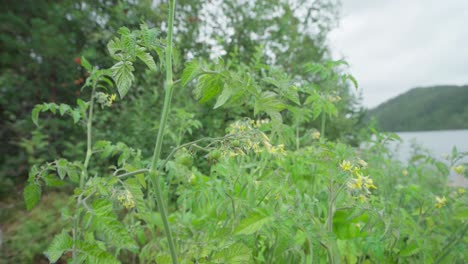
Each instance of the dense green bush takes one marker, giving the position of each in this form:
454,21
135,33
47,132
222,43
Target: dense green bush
254,169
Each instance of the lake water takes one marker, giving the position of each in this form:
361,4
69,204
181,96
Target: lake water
438,143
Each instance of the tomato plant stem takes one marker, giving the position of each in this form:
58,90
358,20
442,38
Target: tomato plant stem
154,175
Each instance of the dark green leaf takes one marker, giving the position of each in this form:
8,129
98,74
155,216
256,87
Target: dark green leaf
31,195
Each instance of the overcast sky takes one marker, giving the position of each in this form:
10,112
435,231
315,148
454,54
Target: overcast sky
395,45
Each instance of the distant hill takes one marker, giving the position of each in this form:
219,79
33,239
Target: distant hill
429,108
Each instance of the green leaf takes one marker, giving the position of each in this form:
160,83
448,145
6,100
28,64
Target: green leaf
62,167
92,253
191,71
148,36
113,47
35,114
85,63
76,115
59,245
147,59
31,195
63,108
122,73
129,45
237,253
252,224
209,86
410,250
105,222
224,96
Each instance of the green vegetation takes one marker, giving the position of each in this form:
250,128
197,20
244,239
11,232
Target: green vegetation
431,108
168,151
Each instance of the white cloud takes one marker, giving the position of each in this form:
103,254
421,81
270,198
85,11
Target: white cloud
397,45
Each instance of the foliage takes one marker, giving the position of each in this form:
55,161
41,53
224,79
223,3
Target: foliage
430,108
253,182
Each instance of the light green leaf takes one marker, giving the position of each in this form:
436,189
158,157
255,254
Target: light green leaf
224,97
59,245
122,73
92,253
235,254
31,195
63,108
129,45
192,69
252,224
85,63
62,167
269,103
76,115
105,221
410,250
113,47
147,59
209,86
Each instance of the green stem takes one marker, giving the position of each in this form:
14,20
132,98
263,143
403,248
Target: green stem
322,130
89,151
154,175
84,173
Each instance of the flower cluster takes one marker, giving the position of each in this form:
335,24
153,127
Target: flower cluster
440,202
126,199
105,99
249,138
315,135
359,184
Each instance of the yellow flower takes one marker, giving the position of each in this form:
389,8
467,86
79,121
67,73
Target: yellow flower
405,172
440,201
460,169
369,183
461,191
346,165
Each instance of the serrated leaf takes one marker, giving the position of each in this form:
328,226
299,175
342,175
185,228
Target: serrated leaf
146,58
63,108
269,103
85,63
252,224
209,86
62,165
105,222
92,253
122,73
58,246
148,36
76,115
235,254
113,47
35,114
410,250
192,69
31,195
224,97
129,45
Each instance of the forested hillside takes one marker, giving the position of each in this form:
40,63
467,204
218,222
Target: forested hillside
429,108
